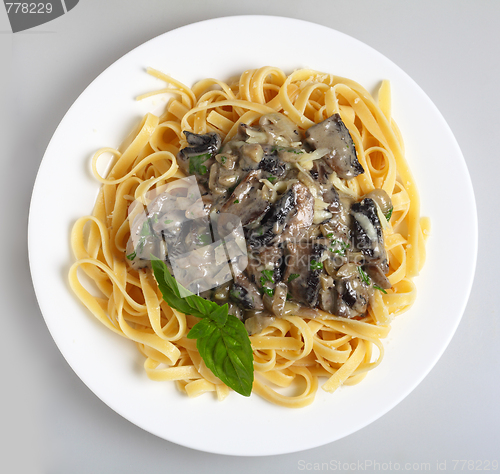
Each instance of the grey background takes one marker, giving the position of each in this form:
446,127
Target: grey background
52,423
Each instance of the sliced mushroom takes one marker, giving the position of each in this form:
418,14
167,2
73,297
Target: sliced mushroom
280,129
327,293
269,260
320,172
256,321
273,222
377,276
368,236
303,269
334,135
245,294
287,218
271,162
246,201
250,134
275,304
303,216
353,292
197,158
383,200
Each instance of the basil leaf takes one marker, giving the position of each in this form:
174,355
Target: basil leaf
170,290
204,306
221,338
227,352
219,315
203,328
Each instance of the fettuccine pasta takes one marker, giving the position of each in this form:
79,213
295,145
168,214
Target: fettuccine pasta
296,353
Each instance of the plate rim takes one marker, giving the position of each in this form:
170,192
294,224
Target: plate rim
33,205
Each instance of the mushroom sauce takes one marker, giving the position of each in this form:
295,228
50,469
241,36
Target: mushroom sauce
309,244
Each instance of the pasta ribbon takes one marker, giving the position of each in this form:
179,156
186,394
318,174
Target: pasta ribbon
293,352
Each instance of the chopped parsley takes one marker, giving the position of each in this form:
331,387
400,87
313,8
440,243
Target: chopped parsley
364,276
236,201
292,277
268,291
289,150
168,221
196,165
272,179
131,256
269,274
236,294
205,239
343,246
389,214
315,265
145,230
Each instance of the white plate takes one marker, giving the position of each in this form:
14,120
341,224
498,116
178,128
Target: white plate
112,368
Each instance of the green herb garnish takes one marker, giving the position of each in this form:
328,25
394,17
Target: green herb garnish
205,239
316,265
131,256
236,201
292,277
272,179
380,289
268,291
289,150
364,276
196,165
269,275
343,246
145,230
232,188
389,214
221,338
168,221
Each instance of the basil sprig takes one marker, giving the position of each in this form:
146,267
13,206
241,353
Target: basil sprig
221,338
